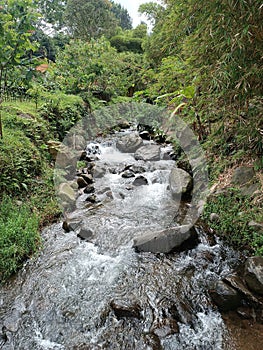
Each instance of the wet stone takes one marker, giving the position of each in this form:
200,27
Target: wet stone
89,189
225,297
73,225
91,199
85,233
125,308
127,174
81,182
88,178
140,181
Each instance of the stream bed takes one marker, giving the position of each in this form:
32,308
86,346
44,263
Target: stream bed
100,293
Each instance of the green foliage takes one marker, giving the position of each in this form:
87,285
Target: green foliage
19,237
20,160
16,26
126,43
235,212
90,19
62,111
122,15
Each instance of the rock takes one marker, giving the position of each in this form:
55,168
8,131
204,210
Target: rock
225,297
214,217
89,189
153,341
66,192
245,178
127,174
164,241
85,233
71,225
167,326
145,135
99,171
125,308
180,183
129,143
185,165
92,199
124,124
148,153
87,177
140,181
237,283
81,182
242,175
253,274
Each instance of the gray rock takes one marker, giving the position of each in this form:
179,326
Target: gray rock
85,233
129,143
66,192
245,178
99,171
89,189
164,241
253,274
180,182
214,217
140,181
127,174
225,297
148,153
242,175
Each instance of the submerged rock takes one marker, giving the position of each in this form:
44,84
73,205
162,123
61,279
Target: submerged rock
164,241
85,233
148,153
253,274
129,143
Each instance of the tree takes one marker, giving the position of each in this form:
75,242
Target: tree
90,19
17,18
122,16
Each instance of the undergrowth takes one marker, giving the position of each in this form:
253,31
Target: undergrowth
235,212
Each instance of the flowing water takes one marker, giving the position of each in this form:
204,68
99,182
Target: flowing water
63,298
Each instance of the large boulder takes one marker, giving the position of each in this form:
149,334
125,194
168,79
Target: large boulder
180,182
253,274
148,152
129,143
225,297
66,192
164,241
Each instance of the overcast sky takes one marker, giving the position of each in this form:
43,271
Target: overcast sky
132,7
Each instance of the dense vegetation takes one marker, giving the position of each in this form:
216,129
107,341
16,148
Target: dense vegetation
59,60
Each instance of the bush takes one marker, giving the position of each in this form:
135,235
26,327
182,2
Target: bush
62,112
19,237
20,161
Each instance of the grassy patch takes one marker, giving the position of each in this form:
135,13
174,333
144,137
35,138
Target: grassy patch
235,212
19,237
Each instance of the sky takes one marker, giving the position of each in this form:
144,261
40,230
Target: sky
132,7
